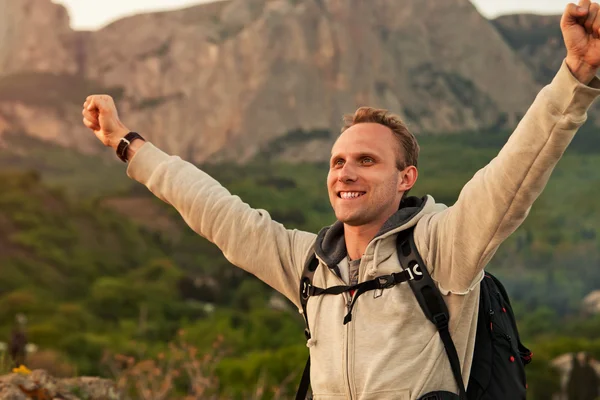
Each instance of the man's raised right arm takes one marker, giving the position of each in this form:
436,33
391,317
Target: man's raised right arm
248,237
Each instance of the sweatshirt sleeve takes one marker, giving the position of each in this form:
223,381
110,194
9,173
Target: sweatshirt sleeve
248,237
462,239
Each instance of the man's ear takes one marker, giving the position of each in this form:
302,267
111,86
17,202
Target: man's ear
408,178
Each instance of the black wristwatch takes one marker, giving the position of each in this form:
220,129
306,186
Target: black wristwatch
124,145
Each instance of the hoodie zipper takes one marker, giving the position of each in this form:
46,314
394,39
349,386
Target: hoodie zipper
347,359
345,356
348,330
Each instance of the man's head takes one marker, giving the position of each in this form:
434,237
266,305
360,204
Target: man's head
373,165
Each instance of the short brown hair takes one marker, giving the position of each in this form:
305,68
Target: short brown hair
407,142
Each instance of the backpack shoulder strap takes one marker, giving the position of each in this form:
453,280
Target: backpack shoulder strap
305,283
429,298
310,266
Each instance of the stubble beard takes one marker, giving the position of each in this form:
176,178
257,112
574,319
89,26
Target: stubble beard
371,212
359,215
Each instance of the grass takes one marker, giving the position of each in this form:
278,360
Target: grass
5,363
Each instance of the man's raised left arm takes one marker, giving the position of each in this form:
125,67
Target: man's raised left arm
462,239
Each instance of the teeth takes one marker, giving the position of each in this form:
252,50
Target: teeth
350,195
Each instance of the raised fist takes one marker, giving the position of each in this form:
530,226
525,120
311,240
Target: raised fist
100,115
580,25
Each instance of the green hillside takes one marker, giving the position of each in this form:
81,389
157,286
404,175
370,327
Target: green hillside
100,267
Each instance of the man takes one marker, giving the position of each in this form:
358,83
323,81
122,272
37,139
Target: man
389,350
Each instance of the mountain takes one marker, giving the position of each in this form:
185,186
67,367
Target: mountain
537,39
224,80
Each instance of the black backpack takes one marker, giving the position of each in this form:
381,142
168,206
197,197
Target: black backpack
498,368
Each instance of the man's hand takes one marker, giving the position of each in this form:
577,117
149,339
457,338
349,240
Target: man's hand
580,25
100,115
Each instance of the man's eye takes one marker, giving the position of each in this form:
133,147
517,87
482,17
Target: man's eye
338,163
367,160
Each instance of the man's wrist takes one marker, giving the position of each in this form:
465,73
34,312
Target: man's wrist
582,71
117,136
133,147
128,146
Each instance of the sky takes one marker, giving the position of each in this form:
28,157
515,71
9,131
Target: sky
93,14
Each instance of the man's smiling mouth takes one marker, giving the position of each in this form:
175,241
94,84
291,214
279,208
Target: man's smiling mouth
350,195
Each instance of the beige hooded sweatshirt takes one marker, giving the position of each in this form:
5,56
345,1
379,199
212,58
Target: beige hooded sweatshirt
389,350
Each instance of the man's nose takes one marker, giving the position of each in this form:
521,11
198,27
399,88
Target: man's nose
347,174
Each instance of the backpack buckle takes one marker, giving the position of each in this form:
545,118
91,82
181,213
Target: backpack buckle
305,292
440,320
385,281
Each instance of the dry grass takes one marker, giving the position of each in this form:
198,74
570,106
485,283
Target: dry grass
5,363
52,362
182,373
179,373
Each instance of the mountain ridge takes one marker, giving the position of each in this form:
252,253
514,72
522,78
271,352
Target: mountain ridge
222,81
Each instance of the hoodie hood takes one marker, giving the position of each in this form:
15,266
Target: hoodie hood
330,245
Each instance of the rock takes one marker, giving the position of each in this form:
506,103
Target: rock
91,388
9,392
25,44
39,385
591,303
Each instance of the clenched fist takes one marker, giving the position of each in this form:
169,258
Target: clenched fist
580,25
100,115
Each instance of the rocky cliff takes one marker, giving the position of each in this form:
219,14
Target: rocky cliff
224,80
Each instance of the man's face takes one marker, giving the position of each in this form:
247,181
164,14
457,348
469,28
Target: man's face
363,180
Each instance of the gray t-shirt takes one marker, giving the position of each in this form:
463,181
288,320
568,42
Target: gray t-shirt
353,271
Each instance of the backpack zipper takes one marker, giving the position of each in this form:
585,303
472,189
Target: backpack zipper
501,333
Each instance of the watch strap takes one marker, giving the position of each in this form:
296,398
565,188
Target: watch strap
124,144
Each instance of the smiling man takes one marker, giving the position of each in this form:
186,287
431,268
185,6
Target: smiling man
382,346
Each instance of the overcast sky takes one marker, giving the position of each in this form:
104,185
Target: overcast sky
93,14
